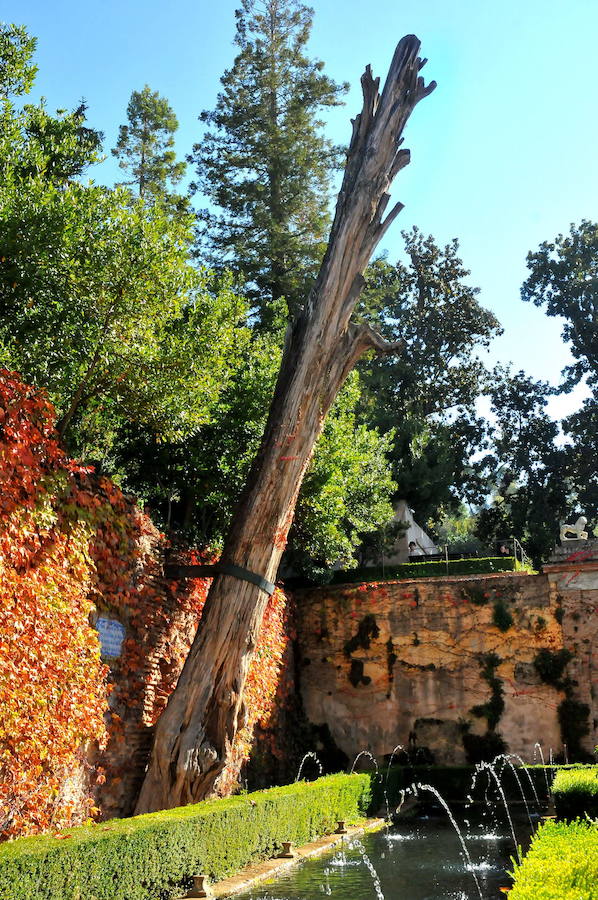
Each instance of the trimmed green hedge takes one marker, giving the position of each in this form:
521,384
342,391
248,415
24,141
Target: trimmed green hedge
484,566
153,856
575,792
561,864
452,782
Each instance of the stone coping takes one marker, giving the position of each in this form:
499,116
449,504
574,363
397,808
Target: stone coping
270,868
423,579
574,552
578,565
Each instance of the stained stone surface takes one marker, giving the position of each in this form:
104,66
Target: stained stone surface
575,552
381,663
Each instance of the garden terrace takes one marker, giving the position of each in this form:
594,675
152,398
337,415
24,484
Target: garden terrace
156,854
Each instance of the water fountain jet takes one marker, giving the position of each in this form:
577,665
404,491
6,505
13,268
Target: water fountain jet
504,758
536,748
310,755
488,767
368,754
414,789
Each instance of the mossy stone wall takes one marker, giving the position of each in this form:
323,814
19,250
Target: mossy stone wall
444,666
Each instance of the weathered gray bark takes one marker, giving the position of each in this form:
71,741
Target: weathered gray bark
196,731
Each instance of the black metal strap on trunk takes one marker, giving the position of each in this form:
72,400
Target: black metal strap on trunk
246,575
181,571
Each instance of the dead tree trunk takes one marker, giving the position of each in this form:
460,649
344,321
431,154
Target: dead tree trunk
195,733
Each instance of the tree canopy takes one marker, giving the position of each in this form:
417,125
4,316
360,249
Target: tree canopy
264,164
427,393
99,301
192,486
100,305
564,279
527,469
145,148
17,71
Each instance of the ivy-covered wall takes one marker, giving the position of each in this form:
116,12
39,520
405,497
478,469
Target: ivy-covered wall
92,635
456,669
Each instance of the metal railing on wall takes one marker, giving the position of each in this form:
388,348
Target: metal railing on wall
507,547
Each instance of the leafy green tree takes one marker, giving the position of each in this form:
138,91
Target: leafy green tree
432,464
99,302
346,492
145,148
530,471
192,486
100,305
17,72
56,148
459,531
427,392
564,279
33,142
581,428
264,164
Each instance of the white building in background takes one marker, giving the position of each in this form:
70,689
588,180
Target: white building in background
424,545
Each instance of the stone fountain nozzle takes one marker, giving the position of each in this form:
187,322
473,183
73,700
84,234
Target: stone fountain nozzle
200,888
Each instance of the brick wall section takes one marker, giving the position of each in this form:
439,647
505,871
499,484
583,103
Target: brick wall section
382,663
157,643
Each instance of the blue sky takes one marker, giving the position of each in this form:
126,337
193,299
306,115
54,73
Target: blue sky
503,153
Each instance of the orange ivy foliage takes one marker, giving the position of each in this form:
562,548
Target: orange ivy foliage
52,683
262,689
71,543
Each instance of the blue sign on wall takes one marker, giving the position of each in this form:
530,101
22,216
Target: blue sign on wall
112,634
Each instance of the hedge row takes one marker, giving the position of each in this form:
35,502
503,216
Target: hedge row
483,566
575,792
452,782
561,864
155,855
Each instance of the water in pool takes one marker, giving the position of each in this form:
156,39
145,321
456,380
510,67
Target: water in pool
417,859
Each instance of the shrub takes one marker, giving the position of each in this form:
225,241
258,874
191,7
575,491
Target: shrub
574,723
576,792
550,665
501,617
483,566
561,864
155,855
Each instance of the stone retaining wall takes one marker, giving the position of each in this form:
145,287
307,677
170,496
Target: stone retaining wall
446,664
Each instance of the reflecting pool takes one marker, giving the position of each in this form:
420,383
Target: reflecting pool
417,859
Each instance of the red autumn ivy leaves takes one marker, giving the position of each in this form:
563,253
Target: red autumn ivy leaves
52,682
70,540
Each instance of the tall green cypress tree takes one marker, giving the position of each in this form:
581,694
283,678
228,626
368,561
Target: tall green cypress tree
264,164
145,147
